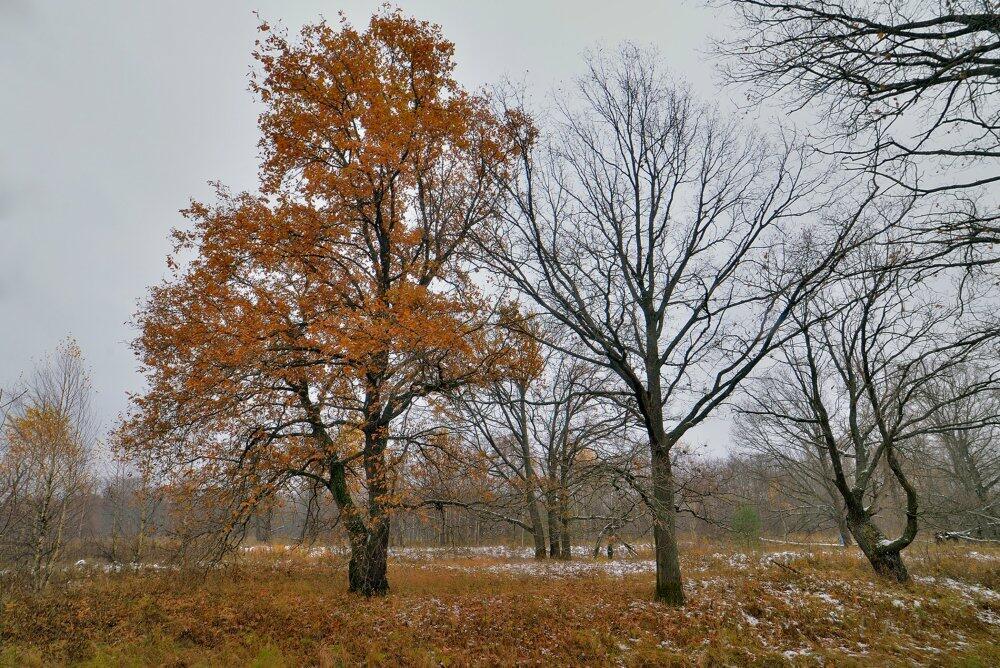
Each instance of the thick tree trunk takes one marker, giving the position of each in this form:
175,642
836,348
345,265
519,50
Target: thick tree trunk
366,571
370,549
668,569
530,478
886,562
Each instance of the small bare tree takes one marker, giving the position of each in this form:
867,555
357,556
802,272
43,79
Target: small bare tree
796,453
968,458
133,501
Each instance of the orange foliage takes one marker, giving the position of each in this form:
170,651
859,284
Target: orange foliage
317,311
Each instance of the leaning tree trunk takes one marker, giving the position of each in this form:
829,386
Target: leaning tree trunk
887,561
668,569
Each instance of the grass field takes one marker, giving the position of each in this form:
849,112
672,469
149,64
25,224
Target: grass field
277,607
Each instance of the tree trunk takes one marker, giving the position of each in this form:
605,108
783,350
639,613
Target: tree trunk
366,572
668,569
553,522
565,543
537,528
845,532
263,522
886,562
530,478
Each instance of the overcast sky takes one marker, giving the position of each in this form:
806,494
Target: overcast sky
114,113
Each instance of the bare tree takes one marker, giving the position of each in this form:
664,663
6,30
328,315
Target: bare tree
796,452
535,434
857,379
968,457
575,427
908,90
655,233
133,502
920,76
496,423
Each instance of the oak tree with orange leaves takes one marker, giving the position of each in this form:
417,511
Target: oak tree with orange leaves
317,312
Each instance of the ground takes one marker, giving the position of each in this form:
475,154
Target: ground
495,606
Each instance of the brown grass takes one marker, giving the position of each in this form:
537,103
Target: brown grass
824,608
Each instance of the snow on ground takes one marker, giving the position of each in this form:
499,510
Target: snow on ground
975,596
519,562
552,568
411,553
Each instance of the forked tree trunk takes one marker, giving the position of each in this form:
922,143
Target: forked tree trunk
366,571
887,562
668,569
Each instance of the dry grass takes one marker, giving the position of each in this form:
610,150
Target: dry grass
808,608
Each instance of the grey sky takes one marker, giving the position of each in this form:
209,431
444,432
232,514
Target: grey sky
115,112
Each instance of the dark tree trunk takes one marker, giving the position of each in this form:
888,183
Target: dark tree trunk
668,569
366,572
552,515
565,541
263,521
887,562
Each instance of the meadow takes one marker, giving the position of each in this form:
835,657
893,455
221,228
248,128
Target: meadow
278,605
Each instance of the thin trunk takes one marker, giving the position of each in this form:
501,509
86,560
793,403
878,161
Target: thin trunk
565,544
553,521
845,532
530,478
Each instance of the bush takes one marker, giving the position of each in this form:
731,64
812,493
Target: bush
746,526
